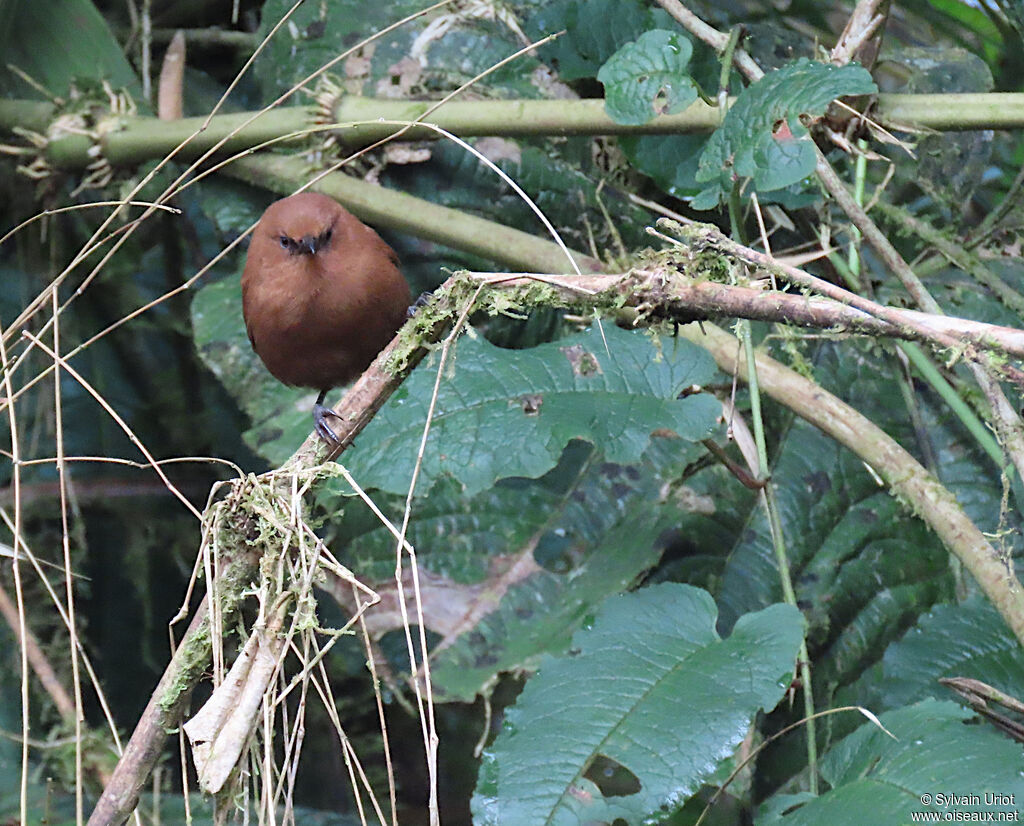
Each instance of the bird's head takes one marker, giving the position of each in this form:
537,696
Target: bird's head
304,224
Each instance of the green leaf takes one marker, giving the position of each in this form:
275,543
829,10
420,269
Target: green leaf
669,160
317,33
949,166
603,534
510,412
953,641
876,779
864,567
539,614
524,563
588,41
762,136
58,42
614,398
648,77
850,545
651,693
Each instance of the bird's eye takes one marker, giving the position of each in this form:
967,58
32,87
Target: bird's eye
328,234
286,242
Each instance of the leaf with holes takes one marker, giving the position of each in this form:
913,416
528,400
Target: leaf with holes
631,724
502,413
763,137
518,568
648,77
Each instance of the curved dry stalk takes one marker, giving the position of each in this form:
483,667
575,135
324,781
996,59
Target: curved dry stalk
44,672
60,360
192,657
37,563
19,595
777,735
907,479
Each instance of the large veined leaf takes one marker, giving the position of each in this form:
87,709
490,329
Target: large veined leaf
538,614
58,43
319,32
762,136
511,412
949,166
652,694
648,77
535,400
965,640
521,566
936,765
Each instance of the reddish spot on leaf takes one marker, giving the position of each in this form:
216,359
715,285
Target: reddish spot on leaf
782,132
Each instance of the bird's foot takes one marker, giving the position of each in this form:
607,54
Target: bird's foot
422,301
320,414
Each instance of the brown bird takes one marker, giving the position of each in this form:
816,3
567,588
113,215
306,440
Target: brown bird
321,295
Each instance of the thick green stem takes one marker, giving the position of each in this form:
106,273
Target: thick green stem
138,139
930,373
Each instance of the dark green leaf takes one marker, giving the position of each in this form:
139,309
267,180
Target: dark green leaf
538,614
648,77
965,640
947,165
762,136
318,33
551,549
670,160
650,691
510,412
58,42
876,779
588,40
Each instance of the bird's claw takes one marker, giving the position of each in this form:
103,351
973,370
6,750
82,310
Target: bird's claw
320,414
421,301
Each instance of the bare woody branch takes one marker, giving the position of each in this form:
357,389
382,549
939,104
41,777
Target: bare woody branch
668,292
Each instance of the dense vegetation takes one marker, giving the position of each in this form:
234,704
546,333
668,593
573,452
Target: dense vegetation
634,568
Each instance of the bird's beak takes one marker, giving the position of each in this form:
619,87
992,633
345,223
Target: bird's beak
308,244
